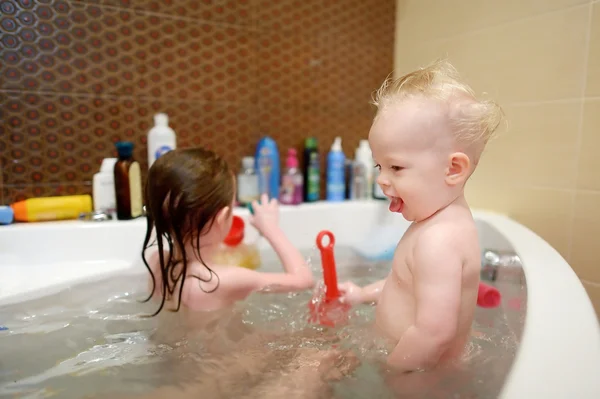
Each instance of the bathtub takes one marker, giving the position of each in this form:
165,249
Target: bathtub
559,352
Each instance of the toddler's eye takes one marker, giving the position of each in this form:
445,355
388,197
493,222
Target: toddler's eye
378,166
397,168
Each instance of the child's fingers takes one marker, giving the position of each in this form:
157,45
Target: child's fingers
264,199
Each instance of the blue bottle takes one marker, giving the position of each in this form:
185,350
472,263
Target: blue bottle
336,172
267,167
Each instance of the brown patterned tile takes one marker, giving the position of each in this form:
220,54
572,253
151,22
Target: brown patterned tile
80,75
287,68
68,47
235,12
12,194
229,129
289,15
188,60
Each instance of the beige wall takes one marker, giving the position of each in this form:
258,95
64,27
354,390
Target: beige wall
541,61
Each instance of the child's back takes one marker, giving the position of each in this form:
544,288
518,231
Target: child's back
190,195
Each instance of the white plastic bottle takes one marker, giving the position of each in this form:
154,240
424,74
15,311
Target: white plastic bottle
103,187
161,138
364,155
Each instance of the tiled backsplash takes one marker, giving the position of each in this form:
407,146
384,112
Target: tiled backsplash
78,76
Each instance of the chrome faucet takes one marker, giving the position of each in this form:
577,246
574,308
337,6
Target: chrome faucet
492,260
95,216
102,216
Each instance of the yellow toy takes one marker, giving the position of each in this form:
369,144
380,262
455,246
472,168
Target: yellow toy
235,252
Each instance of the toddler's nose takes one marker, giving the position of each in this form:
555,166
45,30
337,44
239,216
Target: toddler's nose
382,180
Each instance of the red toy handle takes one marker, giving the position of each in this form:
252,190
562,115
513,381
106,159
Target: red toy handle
328,260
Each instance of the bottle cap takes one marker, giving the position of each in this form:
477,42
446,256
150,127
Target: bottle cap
310,142
124,148
337,144
108,165
292,159
161,119
248,162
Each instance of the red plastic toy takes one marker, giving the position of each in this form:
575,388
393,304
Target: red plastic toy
236,233
488,296
330,311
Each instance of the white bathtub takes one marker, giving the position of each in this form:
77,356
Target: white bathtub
559,355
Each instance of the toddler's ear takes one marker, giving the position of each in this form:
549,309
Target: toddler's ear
223,217
458,170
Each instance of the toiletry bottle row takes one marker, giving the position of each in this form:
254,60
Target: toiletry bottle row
346,179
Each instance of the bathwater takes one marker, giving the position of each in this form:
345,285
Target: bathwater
94,341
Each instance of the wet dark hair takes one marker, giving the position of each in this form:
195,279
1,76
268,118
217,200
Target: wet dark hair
185,190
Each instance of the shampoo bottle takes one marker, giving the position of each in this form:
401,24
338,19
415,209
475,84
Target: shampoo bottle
128,183
312,171
161,138
267,166
336,188
291,182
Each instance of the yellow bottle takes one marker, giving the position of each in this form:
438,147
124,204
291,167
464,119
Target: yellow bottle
51,208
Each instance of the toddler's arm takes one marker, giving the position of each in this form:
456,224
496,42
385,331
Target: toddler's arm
437,285
266,220
353,294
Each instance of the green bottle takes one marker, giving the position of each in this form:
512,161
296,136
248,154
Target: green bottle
312,171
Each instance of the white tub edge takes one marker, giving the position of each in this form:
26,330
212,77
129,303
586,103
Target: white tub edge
551,323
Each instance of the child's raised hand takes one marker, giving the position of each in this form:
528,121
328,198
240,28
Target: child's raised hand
350,293
266,214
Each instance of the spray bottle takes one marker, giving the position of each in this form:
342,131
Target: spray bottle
336,179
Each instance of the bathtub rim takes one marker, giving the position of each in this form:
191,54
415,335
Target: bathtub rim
548,341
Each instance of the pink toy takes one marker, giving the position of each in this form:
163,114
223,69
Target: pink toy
330,312
488,296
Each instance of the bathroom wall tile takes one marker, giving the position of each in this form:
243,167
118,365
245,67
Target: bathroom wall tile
63,138
447,18
194,61
80,75
287,67
410,55
593,67
360,22
66,47
545,211
589,162
585,255
593,291
538,147
21,192
352,72
522,64
234,12
289,15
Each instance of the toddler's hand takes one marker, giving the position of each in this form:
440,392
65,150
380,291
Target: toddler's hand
350,293
266,214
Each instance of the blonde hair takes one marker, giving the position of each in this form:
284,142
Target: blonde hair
474,121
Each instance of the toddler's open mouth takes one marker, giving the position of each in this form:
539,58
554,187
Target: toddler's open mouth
396,204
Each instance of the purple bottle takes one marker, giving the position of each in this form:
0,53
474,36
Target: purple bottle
292,181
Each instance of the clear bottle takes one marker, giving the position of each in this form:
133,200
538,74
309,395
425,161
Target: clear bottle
292,187
247,182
